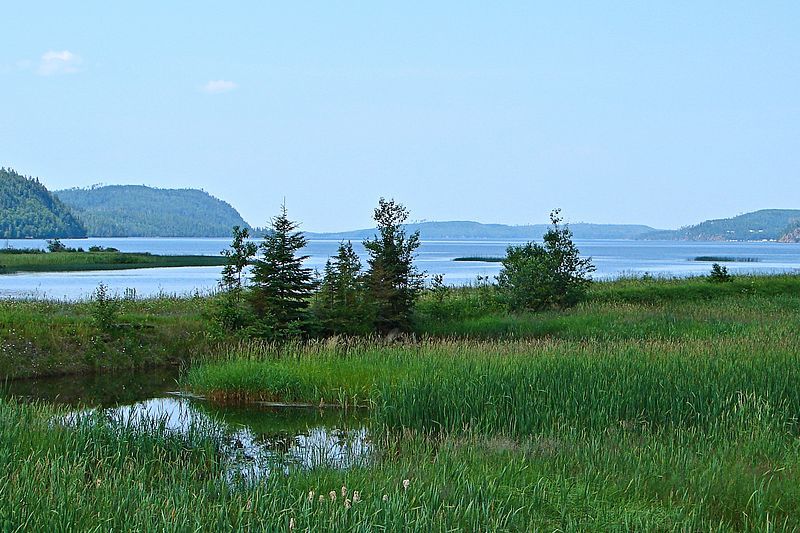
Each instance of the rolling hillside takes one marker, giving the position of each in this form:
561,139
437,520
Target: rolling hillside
766,224
455,230
29,210
140,211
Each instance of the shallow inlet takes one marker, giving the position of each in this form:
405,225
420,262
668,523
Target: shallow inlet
255,440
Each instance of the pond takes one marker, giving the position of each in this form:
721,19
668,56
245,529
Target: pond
256,440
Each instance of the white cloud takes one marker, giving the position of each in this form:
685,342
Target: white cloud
219,86
64,62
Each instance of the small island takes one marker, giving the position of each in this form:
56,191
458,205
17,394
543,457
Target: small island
74,260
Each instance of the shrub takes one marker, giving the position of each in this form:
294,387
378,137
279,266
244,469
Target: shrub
549,275
719,274
105,309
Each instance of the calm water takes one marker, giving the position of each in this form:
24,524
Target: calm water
612,258
256,440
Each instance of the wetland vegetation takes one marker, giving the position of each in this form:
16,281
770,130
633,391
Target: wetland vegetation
635,404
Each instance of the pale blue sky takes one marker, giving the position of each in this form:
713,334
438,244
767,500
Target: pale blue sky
663,113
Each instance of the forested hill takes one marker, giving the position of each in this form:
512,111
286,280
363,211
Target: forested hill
467,230
140,211
767,224
29,210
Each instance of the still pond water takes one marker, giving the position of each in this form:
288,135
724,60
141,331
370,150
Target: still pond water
613,258
255,440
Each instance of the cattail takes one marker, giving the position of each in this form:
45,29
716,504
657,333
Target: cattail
356,496
321,498
344,491
347,504
406,483
332,494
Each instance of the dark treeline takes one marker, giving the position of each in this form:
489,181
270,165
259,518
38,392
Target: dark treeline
29,210
281,299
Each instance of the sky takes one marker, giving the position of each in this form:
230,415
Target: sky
663,113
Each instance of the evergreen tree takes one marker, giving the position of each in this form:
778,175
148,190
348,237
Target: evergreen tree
340,304
281,286
392,279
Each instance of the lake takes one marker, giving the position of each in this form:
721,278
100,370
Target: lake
613,258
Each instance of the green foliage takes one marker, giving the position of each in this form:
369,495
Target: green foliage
230,311
239,256
29,210
281,285
719,274
340,305
73,260
139,211
105,309
552,275
392,279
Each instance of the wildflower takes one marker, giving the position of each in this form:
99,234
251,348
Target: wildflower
291,523
347,504
344,491
386,497
356,496
332,494
311,495
321,498
406,483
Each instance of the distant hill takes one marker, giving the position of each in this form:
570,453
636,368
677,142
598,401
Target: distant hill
29,210
766,224
139,211
793,235
455,230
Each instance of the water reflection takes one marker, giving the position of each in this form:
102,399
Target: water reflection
255,441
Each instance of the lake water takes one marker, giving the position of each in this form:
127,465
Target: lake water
613,258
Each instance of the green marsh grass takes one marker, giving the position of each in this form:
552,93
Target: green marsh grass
80,261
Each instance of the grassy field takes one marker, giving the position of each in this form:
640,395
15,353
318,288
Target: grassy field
667,405
79,261
40,338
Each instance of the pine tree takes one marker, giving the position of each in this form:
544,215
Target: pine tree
392,279
281,286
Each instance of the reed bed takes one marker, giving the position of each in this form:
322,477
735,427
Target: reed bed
78,261
739,475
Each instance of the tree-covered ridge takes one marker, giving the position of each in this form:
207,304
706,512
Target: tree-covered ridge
29,210
766,224
140,211
469,230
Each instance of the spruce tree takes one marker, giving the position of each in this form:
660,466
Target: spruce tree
340,301
392,279
281,285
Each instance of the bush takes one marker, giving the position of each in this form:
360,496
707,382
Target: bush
543,276
105,309
719,274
